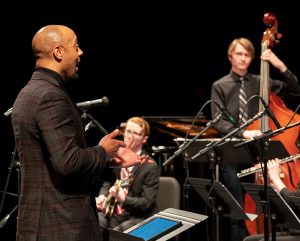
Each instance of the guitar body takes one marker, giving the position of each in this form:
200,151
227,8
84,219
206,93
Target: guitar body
109,210
111,202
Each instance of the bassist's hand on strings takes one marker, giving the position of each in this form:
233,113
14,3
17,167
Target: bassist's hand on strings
250,134
268,55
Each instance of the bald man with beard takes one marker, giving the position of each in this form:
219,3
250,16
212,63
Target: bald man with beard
57,169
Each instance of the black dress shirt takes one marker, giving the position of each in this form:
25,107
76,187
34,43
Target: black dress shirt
225,91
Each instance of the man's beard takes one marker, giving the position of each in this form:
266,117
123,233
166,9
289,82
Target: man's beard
70,83
73,78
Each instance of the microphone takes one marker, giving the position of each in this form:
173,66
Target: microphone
270,113
91,103
81,105
226,113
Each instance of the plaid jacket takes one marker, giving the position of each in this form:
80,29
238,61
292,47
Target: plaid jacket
56,167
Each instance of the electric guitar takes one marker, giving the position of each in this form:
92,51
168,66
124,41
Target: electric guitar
110,202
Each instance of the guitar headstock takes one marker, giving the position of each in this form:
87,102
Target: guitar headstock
270,35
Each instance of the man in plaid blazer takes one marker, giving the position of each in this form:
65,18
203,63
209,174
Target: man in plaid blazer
57,168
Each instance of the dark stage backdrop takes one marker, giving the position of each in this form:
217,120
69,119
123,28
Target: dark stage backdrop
155,58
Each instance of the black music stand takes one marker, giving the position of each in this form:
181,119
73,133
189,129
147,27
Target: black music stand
280,211
159,227
220,200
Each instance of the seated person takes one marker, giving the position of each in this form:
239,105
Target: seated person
123,200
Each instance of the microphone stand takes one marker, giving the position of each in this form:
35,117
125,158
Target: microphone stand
209,149
95,122
13,164
185,145
5,219
216,143
263,147
212,160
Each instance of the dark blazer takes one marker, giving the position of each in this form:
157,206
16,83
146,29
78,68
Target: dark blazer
57,170
141,198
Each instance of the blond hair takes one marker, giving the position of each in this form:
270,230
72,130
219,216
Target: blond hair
246,43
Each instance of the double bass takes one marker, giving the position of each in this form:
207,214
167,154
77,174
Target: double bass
290,170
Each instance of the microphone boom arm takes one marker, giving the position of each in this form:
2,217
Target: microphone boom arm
268,134
213,144
97,124
185,145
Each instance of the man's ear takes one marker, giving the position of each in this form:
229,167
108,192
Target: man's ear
58,52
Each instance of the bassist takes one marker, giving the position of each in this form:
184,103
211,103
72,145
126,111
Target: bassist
226,90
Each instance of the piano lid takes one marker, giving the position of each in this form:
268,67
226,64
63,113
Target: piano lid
181,126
